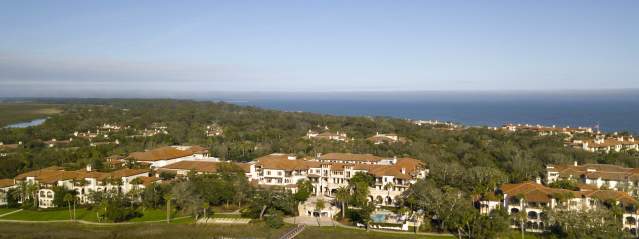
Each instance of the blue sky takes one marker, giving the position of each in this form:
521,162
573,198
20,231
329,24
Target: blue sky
65,46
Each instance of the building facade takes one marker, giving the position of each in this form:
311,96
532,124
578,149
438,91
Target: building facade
84,182
535,199
327,173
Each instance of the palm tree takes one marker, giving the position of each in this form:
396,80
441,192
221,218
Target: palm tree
104,207
32,190
388,186
521,216
68,198
342,195
168,197
205,207
319,205
21,191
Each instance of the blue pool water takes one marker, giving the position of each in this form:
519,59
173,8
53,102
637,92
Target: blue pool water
378,218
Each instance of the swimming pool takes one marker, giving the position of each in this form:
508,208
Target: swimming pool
378,218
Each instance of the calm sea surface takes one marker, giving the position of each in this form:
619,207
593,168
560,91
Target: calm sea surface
610,113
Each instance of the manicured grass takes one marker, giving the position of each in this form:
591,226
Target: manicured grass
339,232
81,214
51,215
152,215
18,112
141,231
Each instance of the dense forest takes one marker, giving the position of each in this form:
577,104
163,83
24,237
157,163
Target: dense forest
251,132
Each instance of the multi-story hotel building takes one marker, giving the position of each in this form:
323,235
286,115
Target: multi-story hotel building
326,172
535,199
602,176
84,182
604,144
163,156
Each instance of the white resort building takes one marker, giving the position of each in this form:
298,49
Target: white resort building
535,199
600,176
163,156
83,182
326,172
386,138
547,130
604,144
337,136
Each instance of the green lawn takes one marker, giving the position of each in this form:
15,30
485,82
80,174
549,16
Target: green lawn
141,231
152,215
339,232
51,215
81,214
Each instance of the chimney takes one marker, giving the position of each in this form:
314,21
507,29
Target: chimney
538,180
88,167
318,155
403,170
575,163
394,159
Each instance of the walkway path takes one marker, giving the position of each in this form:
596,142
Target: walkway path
224,220
9,213
293,232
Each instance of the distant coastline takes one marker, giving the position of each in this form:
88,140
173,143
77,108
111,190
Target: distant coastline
610,113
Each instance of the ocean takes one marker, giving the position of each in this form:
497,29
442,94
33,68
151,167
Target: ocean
610,111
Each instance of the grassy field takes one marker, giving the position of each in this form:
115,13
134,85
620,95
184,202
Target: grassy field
142,231
51,215
18,112
81,214
152,215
